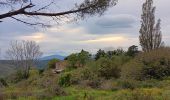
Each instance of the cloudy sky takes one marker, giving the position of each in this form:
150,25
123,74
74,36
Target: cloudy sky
118,27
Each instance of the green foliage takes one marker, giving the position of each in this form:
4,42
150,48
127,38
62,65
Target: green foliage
132,51
78,59
150,65
18,76
87,73
83,58
72,60
65,80
40,71
99,54
102,75
132,70
109,54
56,90
127,84
107,68
119,52
52,63
3,82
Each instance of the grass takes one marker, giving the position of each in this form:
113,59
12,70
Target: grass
31,89
80,93
76,93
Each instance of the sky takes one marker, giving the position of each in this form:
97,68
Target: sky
118,27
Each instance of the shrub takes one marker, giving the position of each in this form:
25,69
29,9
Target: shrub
40,71
52,63
93,83
150,65
3,82
65,79
127,84
87,73
17,77
108,85
56,90
108,68
132,70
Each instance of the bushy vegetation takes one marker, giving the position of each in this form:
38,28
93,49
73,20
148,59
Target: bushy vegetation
118,75
78,59
149,65
107,75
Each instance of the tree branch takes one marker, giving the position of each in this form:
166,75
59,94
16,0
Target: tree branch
31,24
13,13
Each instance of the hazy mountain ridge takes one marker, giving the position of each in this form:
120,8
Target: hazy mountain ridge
52,57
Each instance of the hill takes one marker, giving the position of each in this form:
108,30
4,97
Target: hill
7,68
52,57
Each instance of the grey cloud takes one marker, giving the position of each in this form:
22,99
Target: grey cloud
109,24
120,21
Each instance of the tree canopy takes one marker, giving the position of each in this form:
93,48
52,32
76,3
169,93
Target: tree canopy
45,15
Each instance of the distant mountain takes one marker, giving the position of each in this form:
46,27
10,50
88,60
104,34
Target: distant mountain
52,57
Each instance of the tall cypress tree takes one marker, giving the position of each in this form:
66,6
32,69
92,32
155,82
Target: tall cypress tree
150,34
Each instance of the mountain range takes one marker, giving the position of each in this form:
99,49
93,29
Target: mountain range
53,57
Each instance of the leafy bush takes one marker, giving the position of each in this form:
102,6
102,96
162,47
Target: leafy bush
94,83
52,63
40,71
78,59
150,65
64,80
3,82
132,70
56,90
17,77
108,68
87,73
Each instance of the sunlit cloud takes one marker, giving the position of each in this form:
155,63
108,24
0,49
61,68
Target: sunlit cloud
107,39
38,37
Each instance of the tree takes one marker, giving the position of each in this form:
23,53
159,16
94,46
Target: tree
34,10
119,52
110,54
83,58
24,54
99,54
72,60
132,50
79,59
150,34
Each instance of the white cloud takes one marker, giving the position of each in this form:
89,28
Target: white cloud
38,37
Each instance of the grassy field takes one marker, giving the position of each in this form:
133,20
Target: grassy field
79,93
137,94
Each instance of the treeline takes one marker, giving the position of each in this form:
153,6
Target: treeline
130,65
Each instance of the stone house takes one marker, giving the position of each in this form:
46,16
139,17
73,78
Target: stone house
60,66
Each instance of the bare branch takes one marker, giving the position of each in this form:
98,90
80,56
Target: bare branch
31,24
